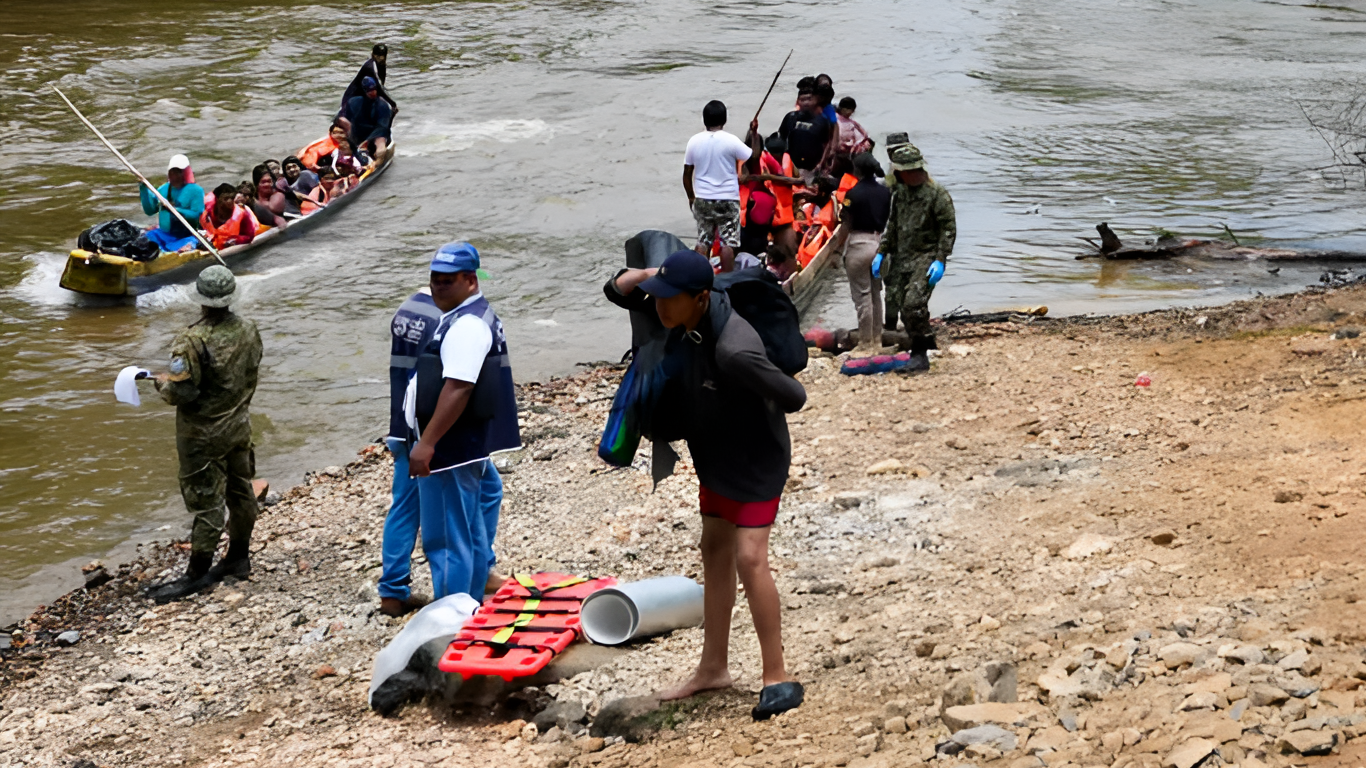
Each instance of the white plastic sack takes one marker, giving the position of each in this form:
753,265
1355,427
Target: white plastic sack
126,385
443,617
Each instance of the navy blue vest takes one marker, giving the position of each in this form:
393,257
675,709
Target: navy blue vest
412,330
489,421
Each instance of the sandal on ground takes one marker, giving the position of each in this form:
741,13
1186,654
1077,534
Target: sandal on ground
778,698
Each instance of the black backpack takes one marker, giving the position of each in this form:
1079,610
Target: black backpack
757,296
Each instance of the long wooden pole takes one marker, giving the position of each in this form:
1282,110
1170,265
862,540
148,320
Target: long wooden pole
164,202
774,83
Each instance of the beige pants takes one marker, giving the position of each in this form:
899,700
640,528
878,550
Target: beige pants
865,289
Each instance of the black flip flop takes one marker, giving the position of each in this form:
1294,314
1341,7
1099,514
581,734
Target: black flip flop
778,698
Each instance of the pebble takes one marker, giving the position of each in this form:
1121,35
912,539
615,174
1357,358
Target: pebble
1263,695
1086,545
886,467
1180,654
1307,742
69,637
1189,754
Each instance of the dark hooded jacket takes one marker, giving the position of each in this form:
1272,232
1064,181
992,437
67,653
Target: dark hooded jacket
728,401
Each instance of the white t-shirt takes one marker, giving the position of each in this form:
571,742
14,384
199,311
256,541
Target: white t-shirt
712,155
463,349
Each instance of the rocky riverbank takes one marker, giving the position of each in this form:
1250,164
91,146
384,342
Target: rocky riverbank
1020,559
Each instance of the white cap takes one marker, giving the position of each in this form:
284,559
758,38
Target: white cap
178,161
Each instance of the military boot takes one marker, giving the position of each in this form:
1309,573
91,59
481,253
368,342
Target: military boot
236,562
196,579
920,358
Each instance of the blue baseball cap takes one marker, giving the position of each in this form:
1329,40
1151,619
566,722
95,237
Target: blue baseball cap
459,256
683,271
369,84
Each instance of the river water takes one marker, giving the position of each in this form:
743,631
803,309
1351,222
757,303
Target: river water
549,132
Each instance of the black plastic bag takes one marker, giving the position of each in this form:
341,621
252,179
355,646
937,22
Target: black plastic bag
119,237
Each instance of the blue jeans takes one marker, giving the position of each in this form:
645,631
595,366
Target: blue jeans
459,522
400,527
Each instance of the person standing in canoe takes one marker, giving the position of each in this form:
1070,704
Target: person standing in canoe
374,67
369,118
711,180
210,380
187,197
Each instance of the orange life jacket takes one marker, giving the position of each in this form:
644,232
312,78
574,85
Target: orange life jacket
310,154
221,234
847,183
782,214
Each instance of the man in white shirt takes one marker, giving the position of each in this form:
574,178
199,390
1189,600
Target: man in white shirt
712,181
462,407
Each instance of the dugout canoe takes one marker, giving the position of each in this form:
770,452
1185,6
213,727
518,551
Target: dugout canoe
804,286
107,275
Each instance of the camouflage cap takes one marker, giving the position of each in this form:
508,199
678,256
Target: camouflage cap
907,158
216,287
895,140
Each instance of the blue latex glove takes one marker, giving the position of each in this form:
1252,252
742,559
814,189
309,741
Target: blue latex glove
877,266
936,272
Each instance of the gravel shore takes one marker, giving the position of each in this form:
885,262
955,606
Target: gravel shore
1019,559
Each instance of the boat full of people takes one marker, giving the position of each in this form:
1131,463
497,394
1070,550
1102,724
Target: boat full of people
197,227
236,219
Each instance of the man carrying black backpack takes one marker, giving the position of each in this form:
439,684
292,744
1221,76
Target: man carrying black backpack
728,401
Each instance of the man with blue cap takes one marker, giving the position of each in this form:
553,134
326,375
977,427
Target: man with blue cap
460,407
369,118
730,403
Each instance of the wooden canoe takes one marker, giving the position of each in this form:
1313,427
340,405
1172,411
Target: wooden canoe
107,275
804,286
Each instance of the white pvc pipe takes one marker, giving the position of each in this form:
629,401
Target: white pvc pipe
615,615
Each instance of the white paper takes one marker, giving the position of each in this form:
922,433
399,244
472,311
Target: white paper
126,385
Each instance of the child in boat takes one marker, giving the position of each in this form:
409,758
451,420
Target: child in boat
345,166
853,139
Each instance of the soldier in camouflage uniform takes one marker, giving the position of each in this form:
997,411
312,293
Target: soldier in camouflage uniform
920,231
211,380
894,287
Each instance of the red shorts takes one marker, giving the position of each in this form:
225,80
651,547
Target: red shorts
745,514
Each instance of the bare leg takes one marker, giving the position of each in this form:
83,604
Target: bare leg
718,568
727,258
751,560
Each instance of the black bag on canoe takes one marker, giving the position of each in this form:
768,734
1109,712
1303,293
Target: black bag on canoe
757,296
119,237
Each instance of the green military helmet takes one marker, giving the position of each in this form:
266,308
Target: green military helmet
216,287
896,141
907,158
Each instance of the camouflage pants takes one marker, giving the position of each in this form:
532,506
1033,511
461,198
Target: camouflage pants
717,217
908,293
212,480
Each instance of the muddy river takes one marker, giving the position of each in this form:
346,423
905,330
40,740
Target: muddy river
549,132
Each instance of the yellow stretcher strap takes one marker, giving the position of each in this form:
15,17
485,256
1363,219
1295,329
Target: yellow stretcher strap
530,584
531,605
502,635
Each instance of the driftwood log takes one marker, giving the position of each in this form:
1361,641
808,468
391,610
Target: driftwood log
1111,248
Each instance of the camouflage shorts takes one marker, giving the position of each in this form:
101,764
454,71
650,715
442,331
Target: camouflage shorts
717,216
